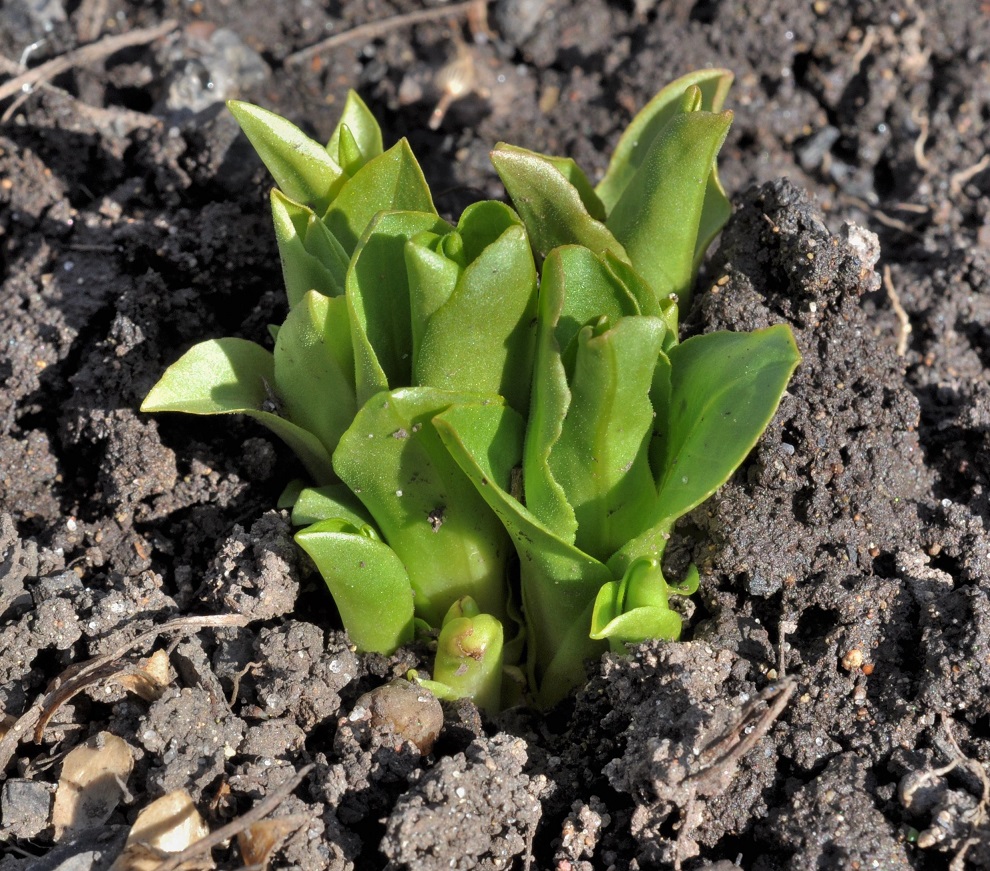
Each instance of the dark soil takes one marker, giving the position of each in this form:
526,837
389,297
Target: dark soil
831,709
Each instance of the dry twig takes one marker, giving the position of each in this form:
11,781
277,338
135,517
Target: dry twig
374,29
979,813
105,118
754,722
902,315
75,677
865,48
90,16
958,179
261,810
919,144
110,120
84,56
722,756
914,208
882,217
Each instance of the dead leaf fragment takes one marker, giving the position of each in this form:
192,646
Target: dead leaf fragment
259,841
141,857
91,784
169,824
150,678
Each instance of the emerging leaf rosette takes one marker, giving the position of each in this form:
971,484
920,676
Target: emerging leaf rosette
439,306
511,382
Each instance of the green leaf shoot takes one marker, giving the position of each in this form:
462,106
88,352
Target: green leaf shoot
368,582
638,137
357,137
430,514
392,181
558,581
601,457
455,295
636,608
378,299
300,166
469,658
723,390
514,381
314,357
658,217
550,204
312,259
235,376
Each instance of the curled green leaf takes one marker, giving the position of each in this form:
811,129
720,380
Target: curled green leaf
367,580
469,656
299,164
578,288
390,182
314,358
311,258
635,608
362,139
235,376
637,138
378,300
451,544
658,217
723,390
495,286
349,156
550,204
601,458
313,504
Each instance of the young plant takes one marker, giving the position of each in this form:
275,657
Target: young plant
447,410
628,432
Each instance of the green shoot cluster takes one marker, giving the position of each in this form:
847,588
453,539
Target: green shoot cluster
499,421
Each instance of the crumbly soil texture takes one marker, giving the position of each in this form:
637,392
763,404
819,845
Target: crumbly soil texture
829,707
